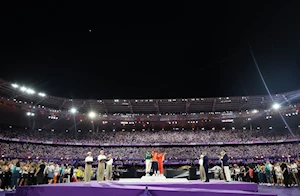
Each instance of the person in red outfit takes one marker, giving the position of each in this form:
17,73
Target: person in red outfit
160,159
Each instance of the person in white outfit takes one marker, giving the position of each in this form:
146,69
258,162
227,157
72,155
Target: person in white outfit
101,166
201,168
109,167
148,159
88,168
294,170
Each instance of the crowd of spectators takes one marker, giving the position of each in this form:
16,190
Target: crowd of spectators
15,149
149,136
32,153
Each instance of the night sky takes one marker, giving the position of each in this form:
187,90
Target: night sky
150,50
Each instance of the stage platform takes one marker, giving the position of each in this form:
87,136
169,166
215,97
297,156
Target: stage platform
161,179
184,183
137,187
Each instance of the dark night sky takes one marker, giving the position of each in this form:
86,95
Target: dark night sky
151,50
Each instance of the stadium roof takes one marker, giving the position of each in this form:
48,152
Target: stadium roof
149,106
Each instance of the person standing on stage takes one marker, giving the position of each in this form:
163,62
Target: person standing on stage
101,166
160,160
201,168
148,158
109,167
88,167
225,159
205,165
154,162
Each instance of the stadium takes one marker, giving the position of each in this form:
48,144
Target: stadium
253,130
150,99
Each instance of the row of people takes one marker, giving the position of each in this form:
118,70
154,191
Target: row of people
154,161
14,173
161,136
282,173
15,149
19,173
103,162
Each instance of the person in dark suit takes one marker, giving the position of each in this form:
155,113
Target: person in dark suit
205,165
225,160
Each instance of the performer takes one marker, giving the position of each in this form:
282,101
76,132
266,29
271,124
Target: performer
148,158
101,166
88,168
109,167
161,159
224,159
205,165
154,162
201,168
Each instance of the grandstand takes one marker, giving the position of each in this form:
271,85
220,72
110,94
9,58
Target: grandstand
35,126
31,117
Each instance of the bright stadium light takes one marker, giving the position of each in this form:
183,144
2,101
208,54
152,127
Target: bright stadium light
73,110
92,114
30,91
276,106
23,88
42,94
15,85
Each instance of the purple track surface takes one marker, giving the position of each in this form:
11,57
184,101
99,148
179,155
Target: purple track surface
193,187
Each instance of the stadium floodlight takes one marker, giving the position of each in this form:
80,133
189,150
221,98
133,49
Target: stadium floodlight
23,88
30,91
276,106
15,85
73,110
42,94
92,114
